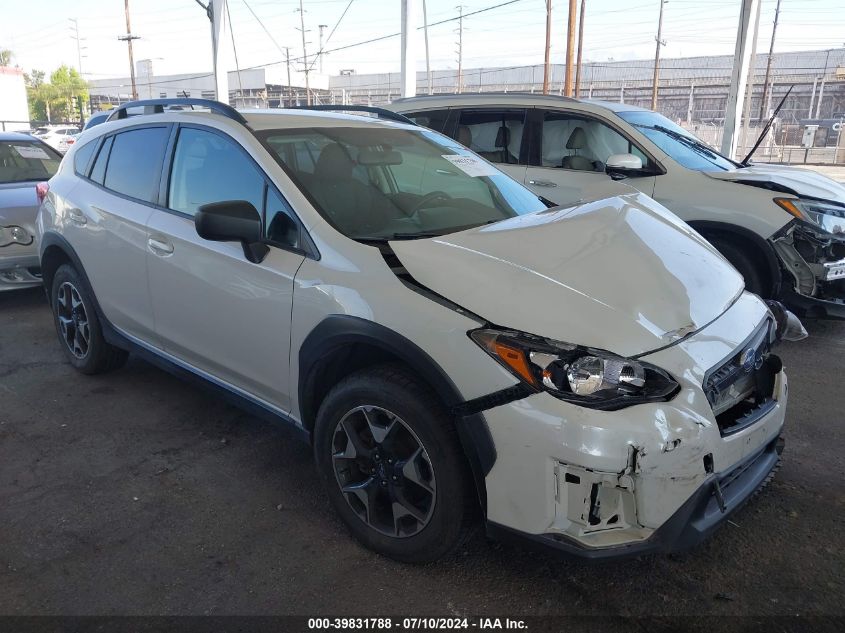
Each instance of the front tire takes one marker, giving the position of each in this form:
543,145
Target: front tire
78,327
392,465
746,265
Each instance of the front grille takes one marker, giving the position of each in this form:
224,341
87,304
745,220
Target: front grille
740,389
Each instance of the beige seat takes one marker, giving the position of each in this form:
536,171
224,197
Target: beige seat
577,140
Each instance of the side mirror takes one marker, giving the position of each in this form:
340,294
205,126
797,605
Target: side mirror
620,166
233,221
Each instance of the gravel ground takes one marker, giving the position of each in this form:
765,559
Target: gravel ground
134,493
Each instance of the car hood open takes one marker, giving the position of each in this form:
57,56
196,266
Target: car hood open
621,274
786,179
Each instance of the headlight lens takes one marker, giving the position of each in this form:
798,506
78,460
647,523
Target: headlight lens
581,375
828,216
14,235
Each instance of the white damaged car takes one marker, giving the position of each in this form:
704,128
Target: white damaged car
591,377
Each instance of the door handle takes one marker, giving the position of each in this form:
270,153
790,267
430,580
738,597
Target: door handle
542,183
77,217
160,247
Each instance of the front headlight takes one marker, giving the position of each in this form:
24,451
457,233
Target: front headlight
827,216
584,376
14,235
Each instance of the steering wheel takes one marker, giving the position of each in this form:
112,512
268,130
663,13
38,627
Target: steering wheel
428,198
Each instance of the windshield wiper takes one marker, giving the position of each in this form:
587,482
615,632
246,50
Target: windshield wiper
689,141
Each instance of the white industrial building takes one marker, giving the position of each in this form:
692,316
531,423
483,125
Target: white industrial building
14,112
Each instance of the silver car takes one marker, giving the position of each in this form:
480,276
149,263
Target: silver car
24,163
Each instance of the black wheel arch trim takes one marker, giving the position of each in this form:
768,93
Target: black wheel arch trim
772,264
338,331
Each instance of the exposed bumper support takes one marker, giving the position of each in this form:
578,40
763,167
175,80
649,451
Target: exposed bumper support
691,524
812,307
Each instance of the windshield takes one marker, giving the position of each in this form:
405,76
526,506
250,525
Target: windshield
685,148
392,183
21,161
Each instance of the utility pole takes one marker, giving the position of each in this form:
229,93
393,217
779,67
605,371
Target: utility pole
763,109
427,60
322,27
570,48
546,64
746,114
409,49
79,47
128,39
460,48
660,43
580,48
287,63
304,53
739,77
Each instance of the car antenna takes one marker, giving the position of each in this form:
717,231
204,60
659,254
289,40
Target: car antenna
766,127
185,95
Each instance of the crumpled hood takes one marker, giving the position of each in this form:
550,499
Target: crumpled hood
621,274
802,182
18,204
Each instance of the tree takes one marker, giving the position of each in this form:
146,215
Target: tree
67,85
6,57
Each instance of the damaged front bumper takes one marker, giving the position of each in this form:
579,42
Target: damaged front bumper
813,262
655,477
702,514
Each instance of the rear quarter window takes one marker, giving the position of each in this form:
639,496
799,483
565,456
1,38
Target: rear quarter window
82,158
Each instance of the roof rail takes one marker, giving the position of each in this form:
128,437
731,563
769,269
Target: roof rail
381,112
157,106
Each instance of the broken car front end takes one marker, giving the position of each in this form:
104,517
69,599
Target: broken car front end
659,476
811,250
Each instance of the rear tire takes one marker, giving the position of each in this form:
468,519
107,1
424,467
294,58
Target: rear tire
392,465
755,278
78,327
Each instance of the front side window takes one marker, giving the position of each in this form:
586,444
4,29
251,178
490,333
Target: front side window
581,143
21,161
134,163
208,168
686,149
495,135
396,183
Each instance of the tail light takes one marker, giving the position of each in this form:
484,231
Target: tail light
41,190
71,141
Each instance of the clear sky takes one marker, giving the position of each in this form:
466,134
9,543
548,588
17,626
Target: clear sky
176,33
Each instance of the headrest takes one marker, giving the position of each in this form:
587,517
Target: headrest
334,162
503,137
464,135
577,140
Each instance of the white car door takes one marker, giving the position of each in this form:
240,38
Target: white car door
214,310
114,198
573,150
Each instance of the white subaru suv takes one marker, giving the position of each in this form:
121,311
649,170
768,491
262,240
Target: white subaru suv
593,378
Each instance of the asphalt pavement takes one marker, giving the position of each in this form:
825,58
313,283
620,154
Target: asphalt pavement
135,493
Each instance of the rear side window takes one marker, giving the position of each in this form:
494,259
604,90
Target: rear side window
495,135
82,157
134,163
